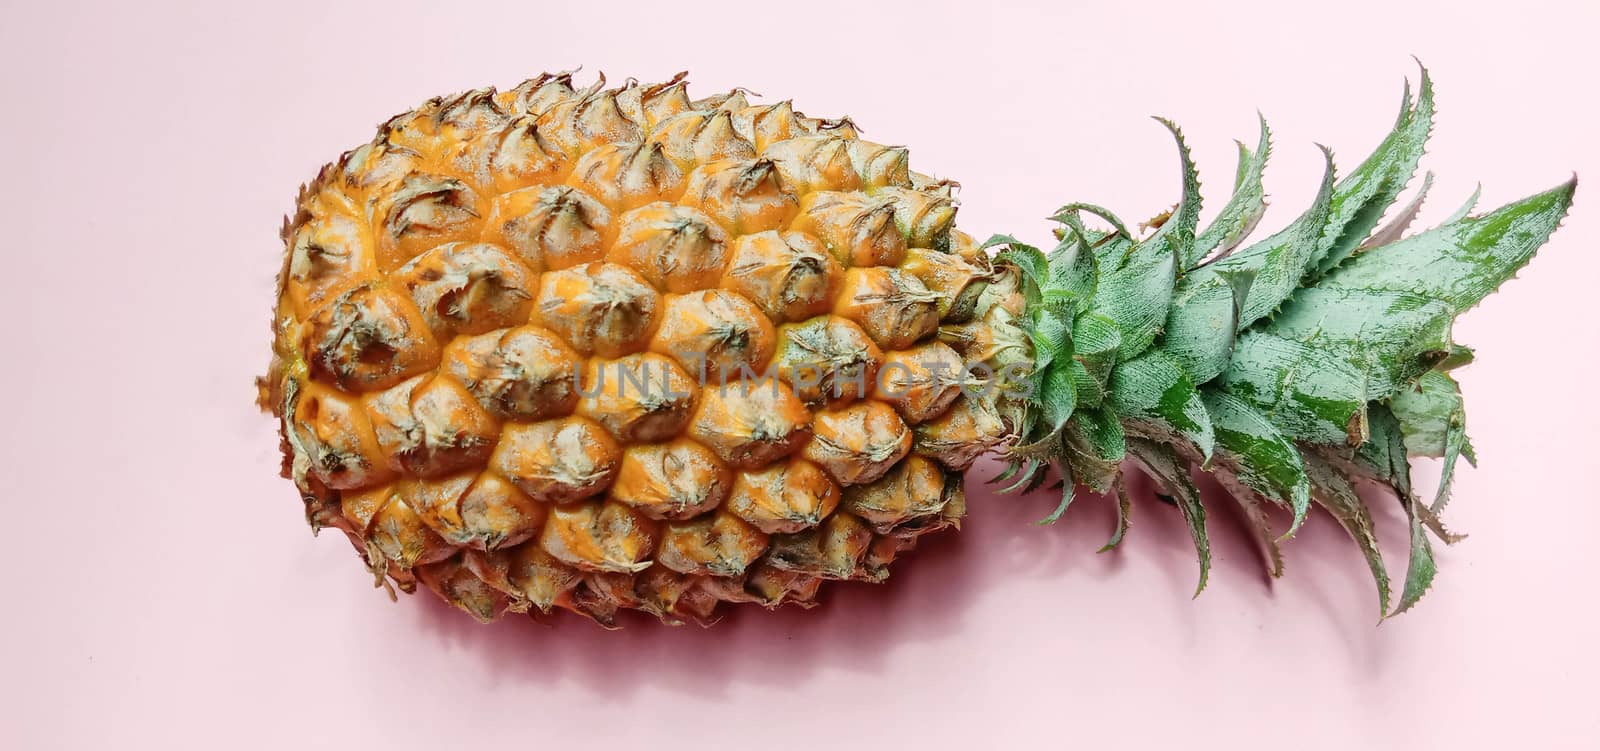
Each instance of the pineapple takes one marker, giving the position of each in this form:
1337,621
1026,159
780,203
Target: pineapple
603,349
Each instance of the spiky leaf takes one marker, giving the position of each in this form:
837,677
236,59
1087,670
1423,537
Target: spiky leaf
1460,263
1027,259
1135,296
1420,569
1069,491
1135,287
1153,389
1428,411
1361,198
1433,422
1261,457
1258,523
1466,207
1170,473
1124,510
1245,208
1094,442
1096,341
1381,320
1396,227
1332,491
1383,459
1309,393
1074,211
1176,234
1057,395
1277,264
1389,337
1202,322
1072,265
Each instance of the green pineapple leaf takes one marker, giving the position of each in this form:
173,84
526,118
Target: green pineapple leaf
1029,474
1073,266
1277,265
1396,228
1421,567
1433,421
1383,458
1068,492
1310,394
1154,390
1360,199
1135,297
1257,523
1124,509
1382,320
1459,355
1096,341
1388,432
1073,210
1175,236
1466,208
1388,337
1169,472
1010,470
1460,263
1095,443
1258,455
1137,279
1057,395
1050,330
1455,441
1090,391
1245,208
1027,259
1426,411
1201,327
1334,493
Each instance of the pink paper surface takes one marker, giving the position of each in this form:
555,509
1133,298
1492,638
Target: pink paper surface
165,592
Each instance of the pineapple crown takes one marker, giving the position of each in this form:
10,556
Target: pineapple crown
1293,368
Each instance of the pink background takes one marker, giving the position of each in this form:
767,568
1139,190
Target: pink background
164,591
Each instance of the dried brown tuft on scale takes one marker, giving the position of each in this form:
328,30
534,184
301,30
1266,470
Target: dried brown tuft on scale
523,339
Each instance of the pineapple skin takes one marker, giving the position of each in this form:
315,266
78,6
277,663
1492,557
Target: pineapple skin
525,342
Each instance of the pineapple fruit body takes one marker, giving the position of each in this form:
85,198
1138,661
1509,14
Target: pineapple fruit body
616,348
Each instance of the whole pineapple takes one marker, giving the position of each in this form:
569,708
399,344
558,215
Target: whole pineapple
618,348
